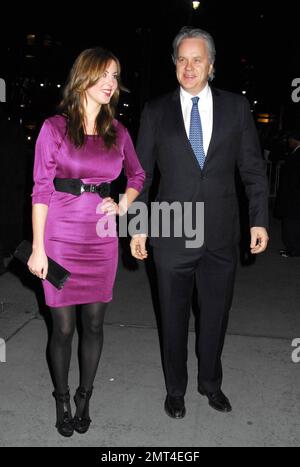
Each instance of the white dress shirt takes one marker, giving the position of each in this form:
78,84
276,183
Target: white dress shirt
205,106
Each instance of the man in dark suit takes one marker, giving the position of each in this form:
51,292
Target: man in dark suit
197,136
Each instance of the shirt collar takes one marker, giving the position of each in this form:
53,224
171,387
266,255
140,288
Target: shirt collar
203,95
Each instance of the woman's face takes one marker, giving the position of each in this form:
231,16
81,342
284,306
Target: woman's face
101,92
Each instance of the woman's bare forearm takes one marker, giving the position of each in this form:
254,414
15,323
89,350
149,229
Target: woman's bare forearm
39,217
129,197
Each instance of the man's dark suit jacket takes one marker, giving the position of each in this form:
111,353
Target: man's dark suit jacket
162,140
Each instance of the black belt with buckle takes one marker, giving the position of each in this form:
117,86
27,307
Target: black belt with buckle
76,187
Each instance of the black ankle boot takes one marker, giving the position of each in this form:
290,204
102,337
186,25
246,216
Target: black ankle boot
64,422
82,421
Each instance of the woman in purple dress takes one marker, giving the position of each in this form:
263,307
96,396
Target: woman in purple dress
78,154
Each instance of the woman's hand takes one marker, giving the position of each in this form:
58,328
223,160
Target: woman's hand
38,263
110,207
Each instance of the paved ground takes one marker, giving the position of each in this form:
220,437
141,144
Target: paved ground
127,406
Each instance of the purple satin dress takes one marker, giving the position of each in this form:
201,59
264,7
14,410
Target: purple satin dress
71,232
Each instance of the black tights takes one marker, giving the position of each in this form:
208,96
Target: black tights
64,323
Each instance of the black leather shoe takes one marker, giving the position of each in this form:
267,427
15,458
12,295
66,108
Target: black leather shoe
217,400
174,407
284,253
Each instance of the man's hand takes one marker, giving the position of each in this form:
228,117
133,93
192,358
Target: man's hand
259,240
138,247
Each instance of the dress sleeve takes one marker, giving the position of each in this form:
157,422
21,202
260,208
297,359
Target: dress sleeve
44,165
133,169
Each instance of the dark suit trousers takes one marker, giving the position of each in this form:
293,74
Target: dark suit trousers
213,272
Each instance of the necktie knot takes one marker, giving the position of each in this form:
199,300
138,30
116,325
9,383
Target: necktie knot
195,100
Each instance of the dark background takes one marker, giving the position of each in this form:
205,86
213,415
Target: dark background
257,50
257,46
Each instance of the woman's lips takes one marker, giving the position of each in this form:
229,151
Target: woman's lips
107,92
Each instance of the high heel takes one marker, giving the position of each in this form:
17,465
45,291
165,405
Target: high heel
82,421
64,420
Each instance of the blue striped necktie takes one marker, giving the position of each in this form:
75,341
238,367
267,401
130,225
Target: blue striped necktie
196,135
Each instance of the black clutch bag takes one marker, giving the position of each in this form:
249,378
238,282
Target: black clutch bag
57,275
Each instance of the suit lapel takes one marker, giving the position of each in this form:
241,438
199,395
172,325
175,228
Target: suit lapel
217,115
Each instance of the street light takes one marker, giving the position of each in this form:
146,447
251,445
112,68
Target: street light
196,5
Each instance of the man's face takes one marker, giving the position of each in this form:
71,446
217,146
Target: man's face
192,65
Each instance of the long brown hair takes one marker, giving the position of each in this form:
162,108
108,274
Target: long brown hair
86,71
